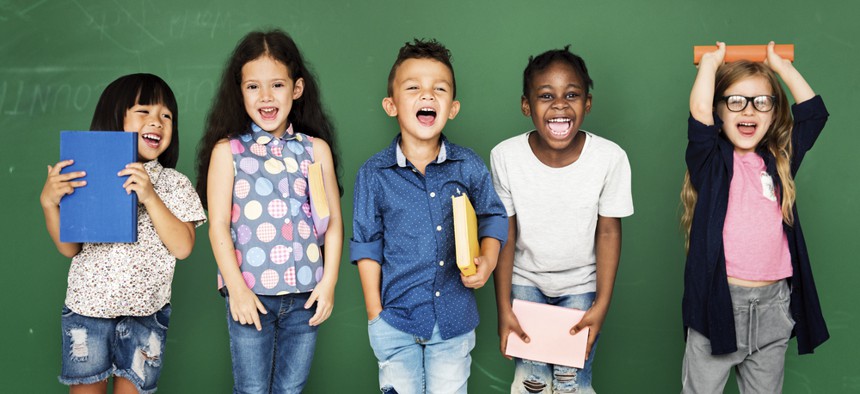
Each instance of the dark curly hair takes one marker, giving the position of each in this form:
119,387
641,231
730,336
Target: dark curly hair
541,62
422,49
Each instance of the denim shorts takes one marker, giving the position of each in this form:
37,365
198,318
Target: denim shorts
130,347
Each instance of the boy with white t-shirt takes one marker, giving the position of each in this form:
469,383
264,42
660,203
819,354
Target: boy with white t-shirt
565,191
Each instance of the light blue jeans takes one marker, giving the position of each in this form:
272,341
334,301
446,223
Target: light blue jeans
413,365
278,358
536,377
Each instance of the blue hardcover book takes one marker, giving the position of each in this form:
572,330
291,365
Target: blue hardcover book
101,211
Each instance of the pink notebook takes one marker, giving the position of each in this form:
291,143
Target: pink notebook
548,328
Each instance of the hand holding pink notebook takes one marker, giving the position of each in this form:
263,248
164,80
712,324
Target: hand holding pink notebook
548,328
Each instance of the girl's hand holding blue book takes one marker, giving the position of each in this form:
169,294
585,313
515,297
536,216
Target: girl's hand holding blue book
138,181
58,185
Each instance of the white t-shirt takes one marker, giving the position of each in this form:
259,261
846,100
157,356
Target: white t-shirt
556,210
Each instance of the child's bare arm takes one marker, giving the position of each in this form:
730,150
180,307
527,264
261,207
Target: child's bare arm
502,278
702,94
607,247
370,273
56,186
800,89
323,294
177,236
244,304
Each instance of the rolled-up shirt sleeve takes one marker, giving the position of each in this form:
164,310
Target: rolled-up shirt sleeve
366,242
492,216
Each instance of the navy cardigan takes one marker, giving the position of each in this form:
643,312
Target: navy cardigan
707,304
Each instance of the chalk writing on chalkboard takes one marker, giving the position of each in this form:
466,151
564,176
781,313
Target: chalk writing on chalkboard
22,97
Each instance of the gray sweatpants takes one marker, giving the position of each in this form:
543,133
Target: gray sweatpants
763,327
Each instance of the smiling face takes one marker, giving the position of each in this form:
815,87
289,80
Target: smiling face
557,102
745,129
268,93
154,125
422,98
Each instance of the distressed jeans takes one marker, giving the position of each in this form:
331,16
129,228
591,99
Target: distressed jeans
537,377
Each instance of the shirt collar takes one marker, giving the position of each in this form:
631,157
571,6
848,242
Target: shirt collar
394,155
153,169
263,137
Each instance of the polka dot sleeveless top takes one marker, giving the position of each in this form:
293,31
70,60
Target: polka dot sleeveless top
271,226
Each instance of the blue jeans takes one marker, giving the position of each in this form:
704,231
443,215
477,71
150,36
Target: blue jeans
278,358
412,365
537,377
130,347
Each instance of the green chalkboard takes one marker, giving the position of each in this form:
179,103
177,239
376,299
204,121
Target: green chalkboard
57,56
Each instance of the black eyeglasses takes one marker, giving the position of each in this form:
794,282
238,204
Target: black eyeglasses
737,103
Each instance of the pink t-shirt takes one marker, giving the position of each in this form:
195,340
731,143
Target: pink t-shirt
755,245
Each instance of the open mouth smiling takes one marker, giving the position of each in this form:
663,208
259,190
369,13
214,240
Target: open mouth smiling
426,116
268,113
747,128
559,126
151,140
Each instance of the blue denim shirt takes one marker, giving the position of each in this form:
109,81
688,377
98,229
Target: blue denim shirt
707,304
402,220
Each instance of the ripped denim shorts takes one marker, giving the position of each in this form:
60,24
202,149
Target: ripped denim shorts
130,347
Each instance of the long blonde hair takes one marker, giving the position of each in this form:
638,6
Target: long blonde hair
777,139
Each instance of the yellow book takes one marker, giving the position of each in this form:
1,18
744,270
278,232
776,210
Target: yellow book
319,202
465,234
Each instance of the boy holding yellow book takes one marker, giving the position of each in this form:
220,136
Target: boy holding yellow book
422,312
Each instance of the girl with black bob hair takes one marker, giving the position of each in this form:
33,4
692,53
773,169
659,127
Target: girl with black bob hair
143,89
117,309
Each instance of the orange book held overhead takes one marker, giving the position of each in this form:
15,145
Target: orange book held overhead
753,53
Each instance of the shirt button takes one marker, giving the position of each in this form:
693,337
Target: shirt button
437,294
438,228
414,170
442,263
432,194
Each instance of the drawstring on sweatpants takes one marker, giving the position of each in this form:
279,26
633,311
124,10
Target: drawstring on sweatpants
753,311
